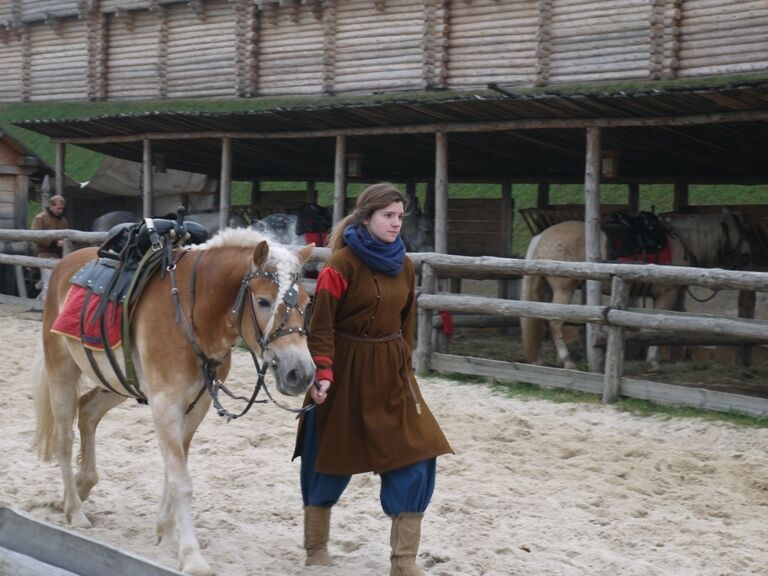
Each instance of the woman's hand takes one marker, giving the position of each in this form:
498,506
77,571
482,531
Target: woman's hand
319,391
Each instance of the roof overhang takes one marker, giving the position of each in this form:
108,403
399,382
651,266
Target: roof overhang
695,133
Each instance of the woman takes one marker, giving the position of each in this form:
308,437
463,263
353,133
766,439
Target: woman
370,415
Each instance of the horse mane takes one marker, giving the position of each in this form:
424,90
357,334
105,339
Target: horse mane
285,262
701,234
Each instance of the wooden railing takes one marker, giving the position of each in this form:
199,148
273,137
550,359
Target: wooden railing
614,318
652,326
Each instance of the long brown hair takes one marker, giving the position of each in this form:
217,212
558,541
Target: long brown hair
375,197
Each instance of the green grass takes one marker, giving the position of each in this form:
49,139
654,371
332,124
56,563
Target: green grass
632,406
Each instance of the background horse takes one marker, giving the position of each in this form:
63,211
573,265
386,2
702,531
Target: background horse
234,285
703,240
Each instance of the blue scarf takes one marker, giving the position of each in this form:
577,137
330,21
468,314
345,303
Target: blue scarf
384,257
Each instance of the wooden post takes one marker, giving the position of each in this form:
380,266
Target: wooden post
340,178
441,193
311,197
255,200
746,310
61,160
633,201
507,220
410,190
225,183
424,324
146,179
507,288
681,196
595,355
614,361
542,195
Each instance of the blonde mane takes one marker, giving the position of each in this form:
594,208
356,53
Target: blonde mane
284,261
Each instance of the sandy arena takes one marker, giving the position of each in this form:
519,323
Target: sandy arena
535,488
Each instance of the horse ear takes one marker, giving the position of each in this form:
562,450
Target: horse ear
305,252
260,254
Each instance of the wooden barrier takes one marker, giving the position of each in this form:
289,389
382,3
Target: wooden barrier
662,324
612,383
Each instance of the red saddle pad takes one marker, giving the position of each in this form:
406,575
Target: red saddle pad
68,321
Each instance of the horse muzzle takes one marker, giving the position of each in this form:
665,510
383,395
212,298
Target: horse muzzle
293,378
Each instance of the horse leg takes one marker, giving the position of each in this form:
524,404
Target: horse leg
562,293
92,407
165,516
177,494
664,299
63,375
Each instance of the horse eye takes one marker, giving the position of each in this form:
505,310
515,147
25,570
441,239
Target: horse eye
264,303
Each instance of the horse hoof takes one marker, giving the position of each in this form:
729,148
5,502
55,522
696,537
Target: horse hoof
570,365
196,566
79,520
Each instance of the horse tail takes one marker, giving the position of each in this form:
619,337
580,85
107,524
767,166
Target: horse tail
43,441
533,289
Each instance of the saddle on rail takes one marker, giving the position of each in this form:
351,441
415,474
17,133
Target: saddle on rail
640,238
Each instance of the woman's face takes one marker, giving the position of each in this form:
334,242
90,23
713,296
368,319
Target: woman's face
385,223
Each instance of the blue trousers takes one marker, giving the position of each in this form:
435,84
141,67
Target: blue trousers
407,489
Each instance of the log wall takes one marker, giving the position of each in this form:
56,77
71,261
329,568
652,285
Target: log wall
142,49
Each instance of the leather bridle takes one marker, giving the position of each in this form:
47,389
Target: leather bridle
211,383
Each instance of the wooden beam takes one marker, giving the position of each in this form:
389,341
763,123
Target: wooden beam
441,193
614,363
61,154
746,310
633,200
146,179
542,195
340,178
225,182
680,201
445,127
595,355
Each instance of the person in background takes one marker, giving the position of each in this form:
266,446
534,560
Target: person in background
369,415
52,218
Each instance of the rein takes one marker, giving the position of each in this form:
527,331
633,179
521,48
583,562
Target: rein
211,383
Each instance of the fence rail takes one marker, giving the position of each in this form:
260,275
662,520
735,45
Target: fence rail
616,318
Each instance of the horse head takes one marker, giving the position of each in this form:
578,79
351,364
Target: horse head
272,307
417,231
736,246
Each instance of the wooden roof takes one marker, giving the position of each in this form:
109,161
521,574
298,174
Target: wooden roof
695,133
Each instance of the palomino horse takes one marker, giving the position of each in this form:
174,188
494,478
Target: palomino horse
704,240
235,285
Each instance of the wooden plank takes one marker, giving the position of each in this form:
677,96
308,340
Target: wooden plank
660,393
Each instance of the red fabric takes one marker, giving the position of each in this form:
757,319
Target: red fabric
324,374
68,321
319,238
447,319
663,257
332,282
323,360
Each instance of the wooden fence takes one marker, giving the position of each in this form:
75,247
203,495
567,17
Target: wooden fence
615,318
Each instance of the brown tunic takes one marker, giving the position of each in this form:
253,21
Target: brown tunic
47,221
369,421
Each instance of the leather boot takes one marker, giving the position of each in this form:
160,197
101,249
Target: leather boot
404,538
317,525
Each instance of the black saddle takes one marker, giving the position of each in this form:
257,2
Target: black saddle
112,273
628,236
128,242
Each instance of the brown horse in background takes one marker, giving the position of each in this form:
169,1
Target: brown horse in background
235,269
705,240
